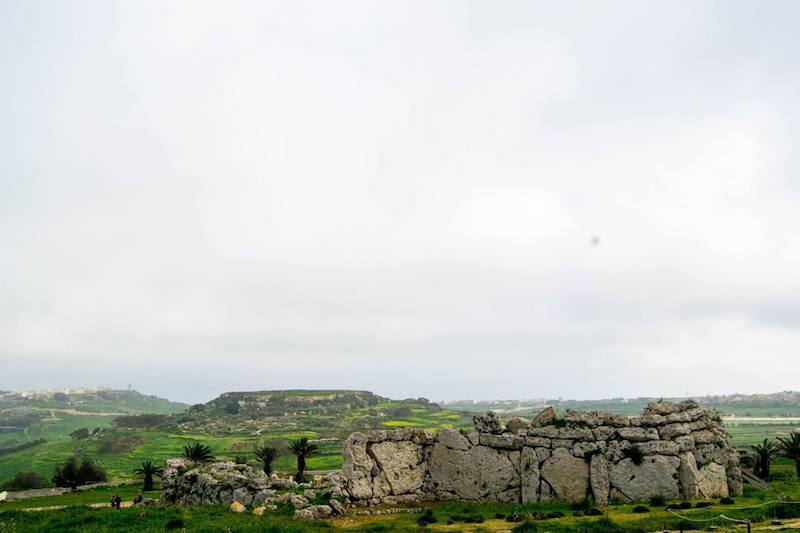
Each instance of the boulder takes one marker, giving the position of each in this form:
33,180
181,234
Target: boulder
478,473
638,434
505,441
529,475
545,417
598,478
337,508
453,439
656,476
567,476
712,481
488,423
402,462
687,474
243,496
515,424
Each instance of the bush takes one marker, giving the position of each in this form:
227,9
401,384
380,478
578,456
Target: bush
685,505
657,501
555,514
594,511
499,516
727,501
701,505
24,481
641,509
71,474
635,454
426,518
526,527
80,434
174,523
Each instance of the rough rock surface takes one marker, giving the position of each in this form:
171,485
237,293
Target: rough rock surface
684,448
239,486
567,476
655,476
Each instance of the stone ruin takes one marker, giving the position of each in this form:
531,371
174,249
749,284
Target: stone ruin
237,485
674,450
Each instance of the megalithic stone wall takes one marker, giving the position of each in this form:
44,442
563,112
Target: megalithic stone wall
674,450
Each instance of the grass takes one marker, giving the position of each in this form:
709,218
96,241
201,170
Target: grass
444,516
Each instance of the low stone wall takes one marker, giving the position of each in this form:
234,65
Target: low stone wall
674,450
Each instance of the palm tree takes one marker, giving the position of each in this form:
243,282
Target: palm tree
197,453
302,449
791,448
764,453
148,470
267,455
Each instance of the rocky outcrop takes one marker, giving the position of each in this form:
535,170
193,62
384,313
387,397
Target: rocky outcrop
673,450
239,486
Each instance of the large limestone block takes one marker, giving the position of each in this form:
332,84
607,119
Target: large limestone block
712,481
687,474
480,473
598,476
567,476
402,462
545,417
638,434
453,439
529,475
516,424
656,476
357,466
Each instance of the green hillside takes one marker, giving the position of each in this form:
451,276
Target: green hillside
229,424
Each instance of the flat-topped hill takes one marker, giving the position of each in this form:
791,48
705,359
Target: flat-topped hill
330,413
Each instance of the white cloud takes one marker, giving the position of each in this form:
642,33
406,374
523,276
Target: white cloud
399,197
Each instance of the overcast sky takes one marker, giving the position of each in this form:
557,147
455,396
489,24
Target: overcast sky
439,199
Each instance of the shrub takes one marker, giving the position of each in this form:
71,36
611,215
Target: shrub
555,514
641,509
80,434
71,474
24,481
635,454
174,523
499,516
685,505
701,505
727,501
657,501
594,511
426,518
526,527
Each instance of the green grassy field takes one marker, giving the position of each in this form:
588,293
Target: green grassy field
452,516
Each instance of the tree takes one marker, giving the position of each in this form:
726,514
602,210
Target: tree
267,455
302,449
764,453
148,470
197,453
791,448
71,474
80,434
24,481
